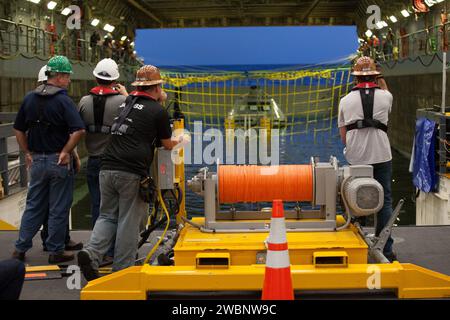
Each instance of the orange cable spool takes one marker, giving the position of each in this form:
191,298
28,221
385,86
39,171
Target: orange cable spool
250,184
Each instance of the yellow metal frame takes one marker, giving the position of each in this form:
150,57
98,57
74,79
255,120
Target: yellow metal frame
242,274
407,280
241,251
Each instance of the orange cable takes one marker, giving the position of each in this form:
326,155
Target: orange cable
249,184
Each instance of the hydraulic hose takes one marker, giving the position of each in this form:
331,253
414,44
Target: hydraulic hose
163,205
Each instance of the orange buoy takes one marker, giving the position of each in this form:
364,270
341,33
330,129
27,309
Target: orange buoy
264,183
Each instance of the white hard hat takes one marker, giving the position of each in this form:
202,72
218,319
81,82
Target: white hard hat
41,76
107,69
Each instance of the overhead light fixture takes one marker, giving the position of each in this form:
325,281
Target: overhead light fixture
405,13
384,23
430,3
439,1
393,19
51,5
380,24
369,33
34,1
123,38
109,28
66,11
95,22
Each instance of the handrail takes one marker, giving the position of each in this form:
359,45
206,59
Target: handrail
43,43
406,46
12,174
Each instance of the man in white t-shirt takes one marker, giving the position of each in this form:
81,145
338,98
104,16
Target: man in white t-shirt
362,120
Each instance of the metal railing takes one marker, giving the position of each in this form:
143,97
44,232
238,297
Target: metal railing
13,171
425,42
16,38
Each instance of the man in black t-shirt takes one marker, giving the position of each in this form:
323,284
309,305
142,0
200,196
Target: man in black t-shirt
126,161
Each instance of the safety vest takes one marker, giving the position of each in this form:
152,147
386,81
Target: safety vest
99,96
367,91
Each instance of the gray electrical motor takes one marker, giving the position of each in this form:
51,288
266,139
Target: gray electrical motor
363,195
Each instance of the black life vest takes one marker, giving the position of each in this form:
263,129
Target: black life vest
367,91
100,95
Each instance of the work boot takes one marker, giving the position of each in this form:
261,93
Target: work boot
391,256
18,255
73,246
60,258
85,264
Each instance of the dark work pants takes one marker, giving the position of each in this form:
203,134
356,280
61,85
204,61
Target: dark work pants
12,275
382,172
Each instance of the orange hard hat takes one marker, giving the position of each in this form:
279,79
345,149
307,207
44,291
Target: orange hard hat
147,76
365,66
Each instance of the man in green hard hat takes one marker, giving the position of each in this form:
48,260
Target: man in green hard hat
48,128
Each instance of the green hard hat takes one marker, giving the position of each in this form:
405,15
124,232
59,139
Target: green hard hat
59,64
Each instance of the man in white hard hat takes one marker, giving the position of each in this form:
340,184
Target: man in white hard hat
98,110
42,77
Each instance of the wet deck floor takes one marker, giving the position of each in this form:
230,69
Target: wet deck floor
425,246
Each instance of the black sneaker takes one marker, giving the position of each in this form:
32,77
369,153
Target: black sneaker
18,255
60,258
85,264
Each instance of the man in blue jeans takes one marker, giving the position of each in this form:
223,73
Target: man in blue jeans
48,128
362,120
98,110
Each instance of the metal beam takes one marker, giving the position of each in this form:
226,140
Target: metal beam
309,10
145,11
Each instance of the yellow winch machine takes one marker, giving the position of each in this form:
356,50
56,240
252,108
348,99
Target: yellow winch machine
225,251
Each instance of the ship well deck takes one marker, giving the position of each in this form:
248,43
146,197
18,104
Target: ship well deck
424,246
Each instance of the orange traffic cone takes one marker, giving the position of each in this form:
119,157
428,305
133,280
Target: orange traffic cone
277,278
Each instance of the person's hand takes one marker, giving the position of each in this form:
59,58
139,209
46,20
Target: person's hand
64,158
28,160
163,97
122,90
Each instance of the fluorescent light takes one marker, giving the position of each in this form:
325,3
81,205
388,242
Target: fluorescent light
380,24
405,13
66,12
384,23
369,33
393,19
95,22
439,1
430,3
34,1
52,5
109,28
123,38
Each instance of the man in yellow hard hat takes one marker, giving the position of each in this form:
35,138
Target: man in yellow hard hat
126,162
48,128
363,124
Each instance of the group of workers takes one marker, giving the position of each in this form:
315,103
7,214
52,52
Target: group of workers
121,131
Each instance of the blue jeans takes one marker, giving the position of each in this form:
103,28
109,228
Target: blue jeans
93,171
93,181
382,172
122,214
50,190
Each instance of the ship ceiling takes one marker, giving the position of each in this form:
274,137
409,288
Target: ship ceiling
235,13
